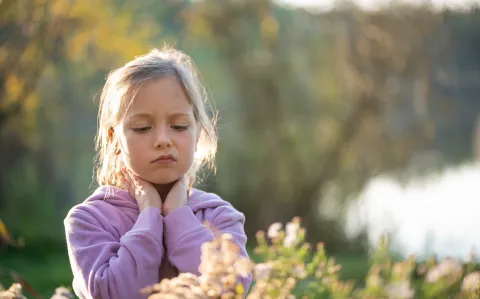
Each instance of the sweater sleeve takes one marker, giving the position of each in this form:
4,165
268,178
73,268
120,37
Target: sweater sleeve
107,267
184,235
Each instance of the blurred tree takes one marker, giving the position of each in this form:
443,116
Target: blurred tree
41,43
37,33
319,96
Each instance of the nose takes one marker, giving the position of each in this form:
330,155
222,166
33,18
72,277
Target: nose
162,139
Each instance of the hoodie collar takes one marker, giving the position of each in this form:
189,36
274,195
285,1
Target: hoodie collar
197,200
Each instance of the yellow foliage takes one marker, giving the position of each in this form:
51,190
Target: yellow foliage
30,52
113,35
14,87
95,32
269,27
31,103
6,238
198,26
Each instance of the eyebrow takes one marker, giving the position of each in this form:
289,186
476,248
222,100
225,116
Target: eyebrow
148,115
179,114
139,115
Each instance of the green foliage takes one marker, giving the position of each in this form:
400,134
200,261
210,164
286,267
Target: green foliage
286,256
31,212
287,267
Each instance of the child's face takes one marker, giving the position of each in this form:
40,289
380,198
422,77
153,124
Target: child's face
159,133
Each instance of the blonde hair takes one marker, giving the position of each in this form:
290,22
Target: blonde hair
118,93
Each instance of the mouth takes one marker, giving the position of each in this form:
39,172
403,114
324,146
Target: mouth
164,159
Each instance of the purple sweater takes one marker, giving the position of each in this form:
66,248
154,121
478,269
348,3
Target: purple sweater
115,250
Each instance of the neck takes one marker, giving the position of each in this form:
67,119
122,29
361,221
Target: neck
163,190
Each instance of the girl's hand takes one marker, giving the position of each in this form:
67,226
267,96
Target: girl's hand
177,197
144,193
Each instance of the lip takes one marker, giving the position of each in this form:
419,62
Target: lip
164,159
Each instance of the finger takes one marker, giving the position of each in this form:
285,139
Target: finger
140,184
127,182
180,186
134,179
135,187
125,179
181,183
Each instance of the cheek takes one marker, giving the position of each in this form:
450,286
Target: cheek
189,141
131,145
130,141
186,148
132,157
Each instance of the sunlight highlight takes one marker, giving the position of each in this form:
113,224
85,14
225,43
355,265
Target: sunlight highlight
325,5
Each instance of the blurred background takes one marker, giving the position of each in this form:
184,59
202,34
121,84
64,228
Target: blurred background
361,118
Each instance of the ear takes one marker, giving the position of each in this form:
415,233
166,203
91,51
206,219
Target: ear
110,134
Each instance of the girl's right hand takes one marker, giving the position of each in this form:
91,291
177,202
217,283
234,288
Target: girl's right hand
144,193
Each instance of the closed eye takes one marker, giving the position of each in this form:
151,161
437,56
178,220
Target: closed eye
141,129
179,128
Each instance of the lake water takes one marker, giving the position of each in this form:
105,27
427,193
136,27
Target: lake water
438,214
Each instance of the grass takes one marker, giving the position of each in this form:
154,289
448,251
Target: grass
354,266
43,271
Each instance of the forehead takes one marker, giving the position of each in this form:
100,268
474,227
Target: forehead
160,96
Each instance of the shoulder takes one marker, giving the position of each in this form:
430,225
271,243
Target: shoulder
200,199
97,208
82,215
213,206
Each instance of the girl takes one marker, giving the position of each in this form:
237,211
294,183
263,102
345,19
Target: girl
144,222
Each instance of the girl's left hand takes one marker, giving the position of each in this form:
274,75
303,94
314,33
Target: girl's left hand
177,197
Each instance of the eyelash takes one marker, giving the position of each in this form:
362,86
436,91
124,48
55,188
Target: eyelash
180,128
141,130
146,129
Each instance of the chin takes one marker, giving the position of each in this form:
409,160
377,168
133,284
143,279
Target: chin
164,180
